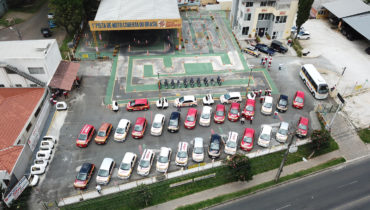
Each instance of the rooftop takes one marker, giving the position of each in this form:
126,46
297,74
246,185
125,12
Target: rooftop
137,10
360,23
25,48
345,8
9,157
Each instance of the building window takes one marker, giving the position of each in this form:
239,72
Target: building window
245,31
264,16
274,34
36,70
247,16
29,127
263,3
248,4
37,112
1,85
280,19
18,85
33,85
271,3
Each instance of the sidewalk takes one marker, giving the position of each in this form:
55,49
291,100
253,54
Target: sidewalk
237,186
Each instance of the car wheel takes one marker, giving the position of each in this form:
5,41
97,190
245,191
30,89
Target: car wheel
145,109
308,38
130,110
313,94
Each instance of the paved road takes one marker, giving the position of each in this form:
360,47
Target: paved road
347,187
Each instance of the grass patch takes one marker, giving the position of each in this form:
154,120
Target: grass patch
30,8
5,23
224,198
64,48
364,135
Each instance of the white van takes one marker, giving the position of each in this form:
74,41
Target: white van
198,151
145,163
265,136
231,143
282,133
267,105
105,171
122,129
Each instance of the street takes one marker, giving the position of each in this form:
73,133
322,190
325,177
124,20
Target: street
344,187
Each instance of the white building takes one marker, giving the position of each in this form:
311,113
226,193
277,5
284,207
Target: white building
260,17
28,63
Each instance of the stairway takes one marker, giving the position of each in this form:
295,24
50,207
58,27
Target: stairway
25,75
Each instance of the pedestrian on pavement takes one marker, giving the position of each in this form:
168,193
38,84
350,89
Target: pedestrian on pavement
251,120
242,120
280,67
98,188
269,92
261,60
65,93
260,93
178,108
263,63
261,99
275,114
266,58
266,91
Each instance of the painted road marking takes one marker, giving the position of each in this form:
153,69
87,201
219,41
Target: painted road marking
283,207
345,185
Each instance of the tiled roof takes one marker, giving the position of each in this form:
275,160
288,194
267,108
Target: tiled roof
8,157
16,106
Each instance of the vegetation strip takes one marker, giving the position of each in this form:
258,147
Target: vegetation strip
235,195
364,135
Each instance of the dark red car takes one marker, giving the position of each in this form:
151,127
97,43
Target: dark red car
302,128
234,112
85,135
247,140
191,118
298,101
249,109
219,116
137,105
139,128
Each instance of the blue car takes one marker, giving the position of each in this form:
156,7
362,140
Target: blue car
265,49
52,24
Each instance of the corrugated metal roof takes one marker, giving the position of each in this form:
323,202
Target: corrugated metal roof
137,10
345,8
65,75
361,23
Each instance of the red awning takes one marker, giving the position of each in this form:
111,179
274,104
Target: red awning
65,75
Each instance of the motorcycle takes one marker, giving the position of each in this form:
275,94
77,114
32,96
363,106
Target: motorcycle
219,81
205,80
172,84
166,83
213,82
198,82
192,82
185,83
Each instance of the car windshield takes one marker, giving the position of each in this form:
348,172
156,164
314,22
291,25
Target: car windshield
144,163
303,127
247,139
283,131
163,159
125,166
103,173
190,118
60,105
157,125
227,96
82,136
198,150
205,115
181,99
299,99
82,176
101,133
132,103
234,111
323,89
220,113
120,130
173,122
182,154
231,144
267,105
249,108
138,128
283,102
215,146
265,137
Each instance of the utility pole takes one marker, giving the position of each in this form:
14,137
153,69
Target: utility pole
328,126
284,158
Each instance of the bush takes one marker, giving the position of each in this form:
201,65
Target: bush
297,47
258,39
365,135
268,36
240,167
320,139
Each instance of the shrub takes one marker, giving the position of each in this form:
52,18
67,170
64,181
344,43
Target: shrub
258,39
268,36
240,167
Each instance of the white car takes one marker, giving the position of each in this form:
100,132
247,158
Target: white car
122,130
50,138
50,15
231,97
231,143
162,103
198,151
205,117
265,136
266,107
46,145
43,155
145,163
208,100
61,105
105,171
127,165
46,149
42,163
115,106
164,159
37,169
182,154
157,125
185,101
33,179
282,133
304,35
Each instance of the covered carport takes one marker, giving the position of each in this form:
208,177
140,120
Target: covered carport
360,23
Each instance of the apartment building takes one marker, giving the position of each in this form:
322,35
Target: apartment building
251,18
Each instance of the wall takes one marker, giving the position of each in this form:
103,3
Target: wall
53,58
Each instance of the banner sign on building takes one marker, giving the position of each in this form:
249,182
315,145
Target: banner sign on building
134,25
16,191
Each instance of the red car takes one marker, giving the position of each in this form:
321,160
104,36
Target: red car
191,118
139,128
302,128
298,101
249,108
247,140
234,112
219,116
137,105
85,135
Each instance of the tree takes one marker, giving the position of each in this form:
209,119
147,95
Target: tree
304,8
145,194
240,167
320,139
68,14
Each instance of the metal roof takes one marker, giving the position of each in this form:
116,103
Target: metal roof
345,8
25,48
360,23
137,10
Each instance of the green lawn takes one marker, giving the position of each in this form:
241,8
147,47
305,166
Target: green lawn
5,23
365,135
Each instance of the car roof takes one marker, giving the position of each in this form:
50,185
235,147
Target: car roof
234,93
128,157
235,106
303,120
175,115
183,146
85,168
268,99
86,128
104,126
158,117
300,93
189,97
192,111
220,107
140,120
251,102
198,142
123,122
106,163
146,154
215,137
266,129
141,101
164,151
233,136
207,109
284,125
284,97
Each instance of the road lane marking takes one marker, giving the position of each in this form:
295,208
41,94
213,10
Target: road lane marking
345,185
283,207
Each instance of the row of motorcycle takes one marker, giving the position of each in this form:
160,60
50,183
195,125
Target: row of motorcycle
185,83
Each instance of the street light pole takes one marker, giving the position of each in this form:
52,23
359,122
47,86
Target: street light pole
284,158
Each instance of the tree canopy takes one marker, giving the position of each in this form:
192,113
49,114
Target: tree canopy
303,13
68,14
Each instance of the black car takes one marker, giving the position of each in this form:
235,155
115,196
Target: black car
265,49
282,104
83,177
174,122
46,32
278,46
214,149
